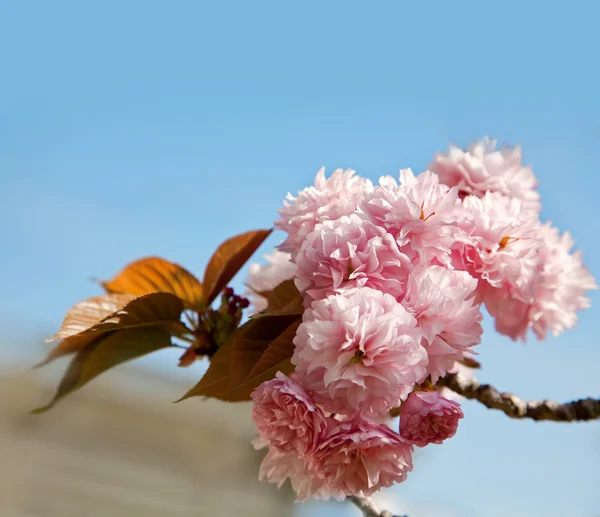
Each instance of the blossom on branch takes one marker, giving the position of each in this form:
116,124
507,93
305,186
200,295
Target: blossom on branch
389,282
350,252
285,416
447,313
358,457
564,282
483,168
420,212
428,417
328,199
359,351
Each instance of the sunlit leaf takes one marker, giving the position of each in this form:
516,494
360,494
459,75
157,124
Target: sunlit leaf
95,316
153,274
109,350
82,317
228,259
148,309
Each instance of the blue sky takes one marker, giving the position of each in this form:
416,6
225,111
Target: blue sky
159,128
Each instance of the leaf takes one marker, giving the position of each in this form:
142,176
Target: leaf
188,358
152,274
94,316
214,385
216,381
284,299
244,392
68,346
252,340
149,309
243,363
110,350
228,259
279,350
81,317
88,313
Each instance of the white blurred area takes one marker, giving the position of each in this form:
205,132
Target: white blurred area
119,447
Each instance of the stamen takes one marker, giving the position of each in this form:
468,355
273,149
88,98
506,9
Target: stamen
506,240
423,218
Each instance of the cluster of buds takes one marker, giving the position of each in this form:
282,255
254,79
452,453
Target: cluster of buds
232,303
216,326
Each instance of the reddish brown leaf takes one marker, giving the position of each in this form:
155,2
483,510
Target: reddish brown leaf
216,381
251,341
95,316
153,274
244,392
228,259
109,350
280,349
284,299
188,358
243,356
68,346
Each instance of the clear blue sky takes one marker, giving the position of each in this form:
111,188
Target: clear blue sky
159,128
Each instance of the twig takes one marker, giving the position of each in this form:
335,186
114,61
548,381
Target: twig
368,508
514,407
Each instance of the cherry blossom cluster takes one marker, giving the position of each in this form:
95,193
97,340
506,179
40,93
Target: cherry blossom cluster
393,278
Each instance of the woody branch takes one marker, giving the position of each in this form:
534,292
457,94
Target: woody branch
368,508
515,407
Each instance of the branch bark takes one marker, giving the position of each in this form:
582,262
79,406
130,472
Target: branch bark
368,508
514,407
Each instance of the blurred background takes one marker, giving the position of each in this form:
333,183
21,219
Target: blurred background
134,128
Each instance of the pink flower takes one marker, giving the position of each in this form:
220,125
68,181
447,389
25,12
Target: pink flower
285,416
443,302
359,457
263,278
511,315
278,466
359,351
329,199
420,213
559,291
350,252
427,417
482,168
563,285
502,247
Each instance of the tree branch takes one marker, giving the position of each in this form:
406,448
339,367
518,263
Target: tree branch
514,407
368,508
